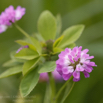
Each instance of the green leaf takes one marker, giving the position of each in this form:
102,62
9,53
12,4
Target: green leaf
59,25
70,46
57,50
29,82
36,44
11,63
71,35
12,55
26,54
38,37
29,65
56,43
67,91
47,26
54,57
23,43
11,71
48,67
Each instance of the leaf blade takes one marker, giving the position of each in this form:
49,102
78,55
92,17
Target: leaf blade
59,25
11,71
26,54
29,65
11,63
57,41
23,43
71,35
47,67
47,25
29,82
36,44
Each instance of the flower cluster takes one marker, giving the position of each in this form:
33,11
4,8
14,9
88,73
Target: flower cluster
9,16
72,62
56,75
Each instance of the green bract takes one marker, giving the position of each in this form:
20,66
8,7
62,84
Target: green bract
42,51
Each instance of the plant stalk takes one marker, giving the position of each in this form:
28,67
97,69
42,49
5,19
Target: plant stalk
53,89
21,30
62,88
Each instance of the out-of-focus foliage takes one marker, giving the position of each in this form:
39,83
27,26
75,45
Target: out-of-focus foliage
89,13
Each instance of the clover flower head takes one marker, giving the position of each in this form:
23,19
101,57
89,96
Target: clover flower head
56,75
26,46
9,16
72,62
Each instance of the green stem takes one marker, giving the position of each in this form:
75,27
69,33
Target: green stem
52,84
61,89
68,92
47,98
21,30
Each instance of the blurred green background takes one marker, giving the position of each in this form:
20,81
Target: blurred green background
87,12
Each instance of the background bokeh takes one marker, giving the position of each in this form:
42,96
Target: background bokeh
87,12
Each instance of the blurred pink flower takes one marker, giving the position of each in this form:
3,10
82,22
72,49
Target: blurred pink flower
9,16
56,75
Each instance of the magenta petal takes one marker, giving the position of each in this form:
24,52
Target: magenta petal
76,58
75,49
88,69
57,76
85,51
80,48
70,58
60,61
65,70
91,64
90,57
80,69
76,80
66,76
86,74
76,74
67,50
59,70
73,53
